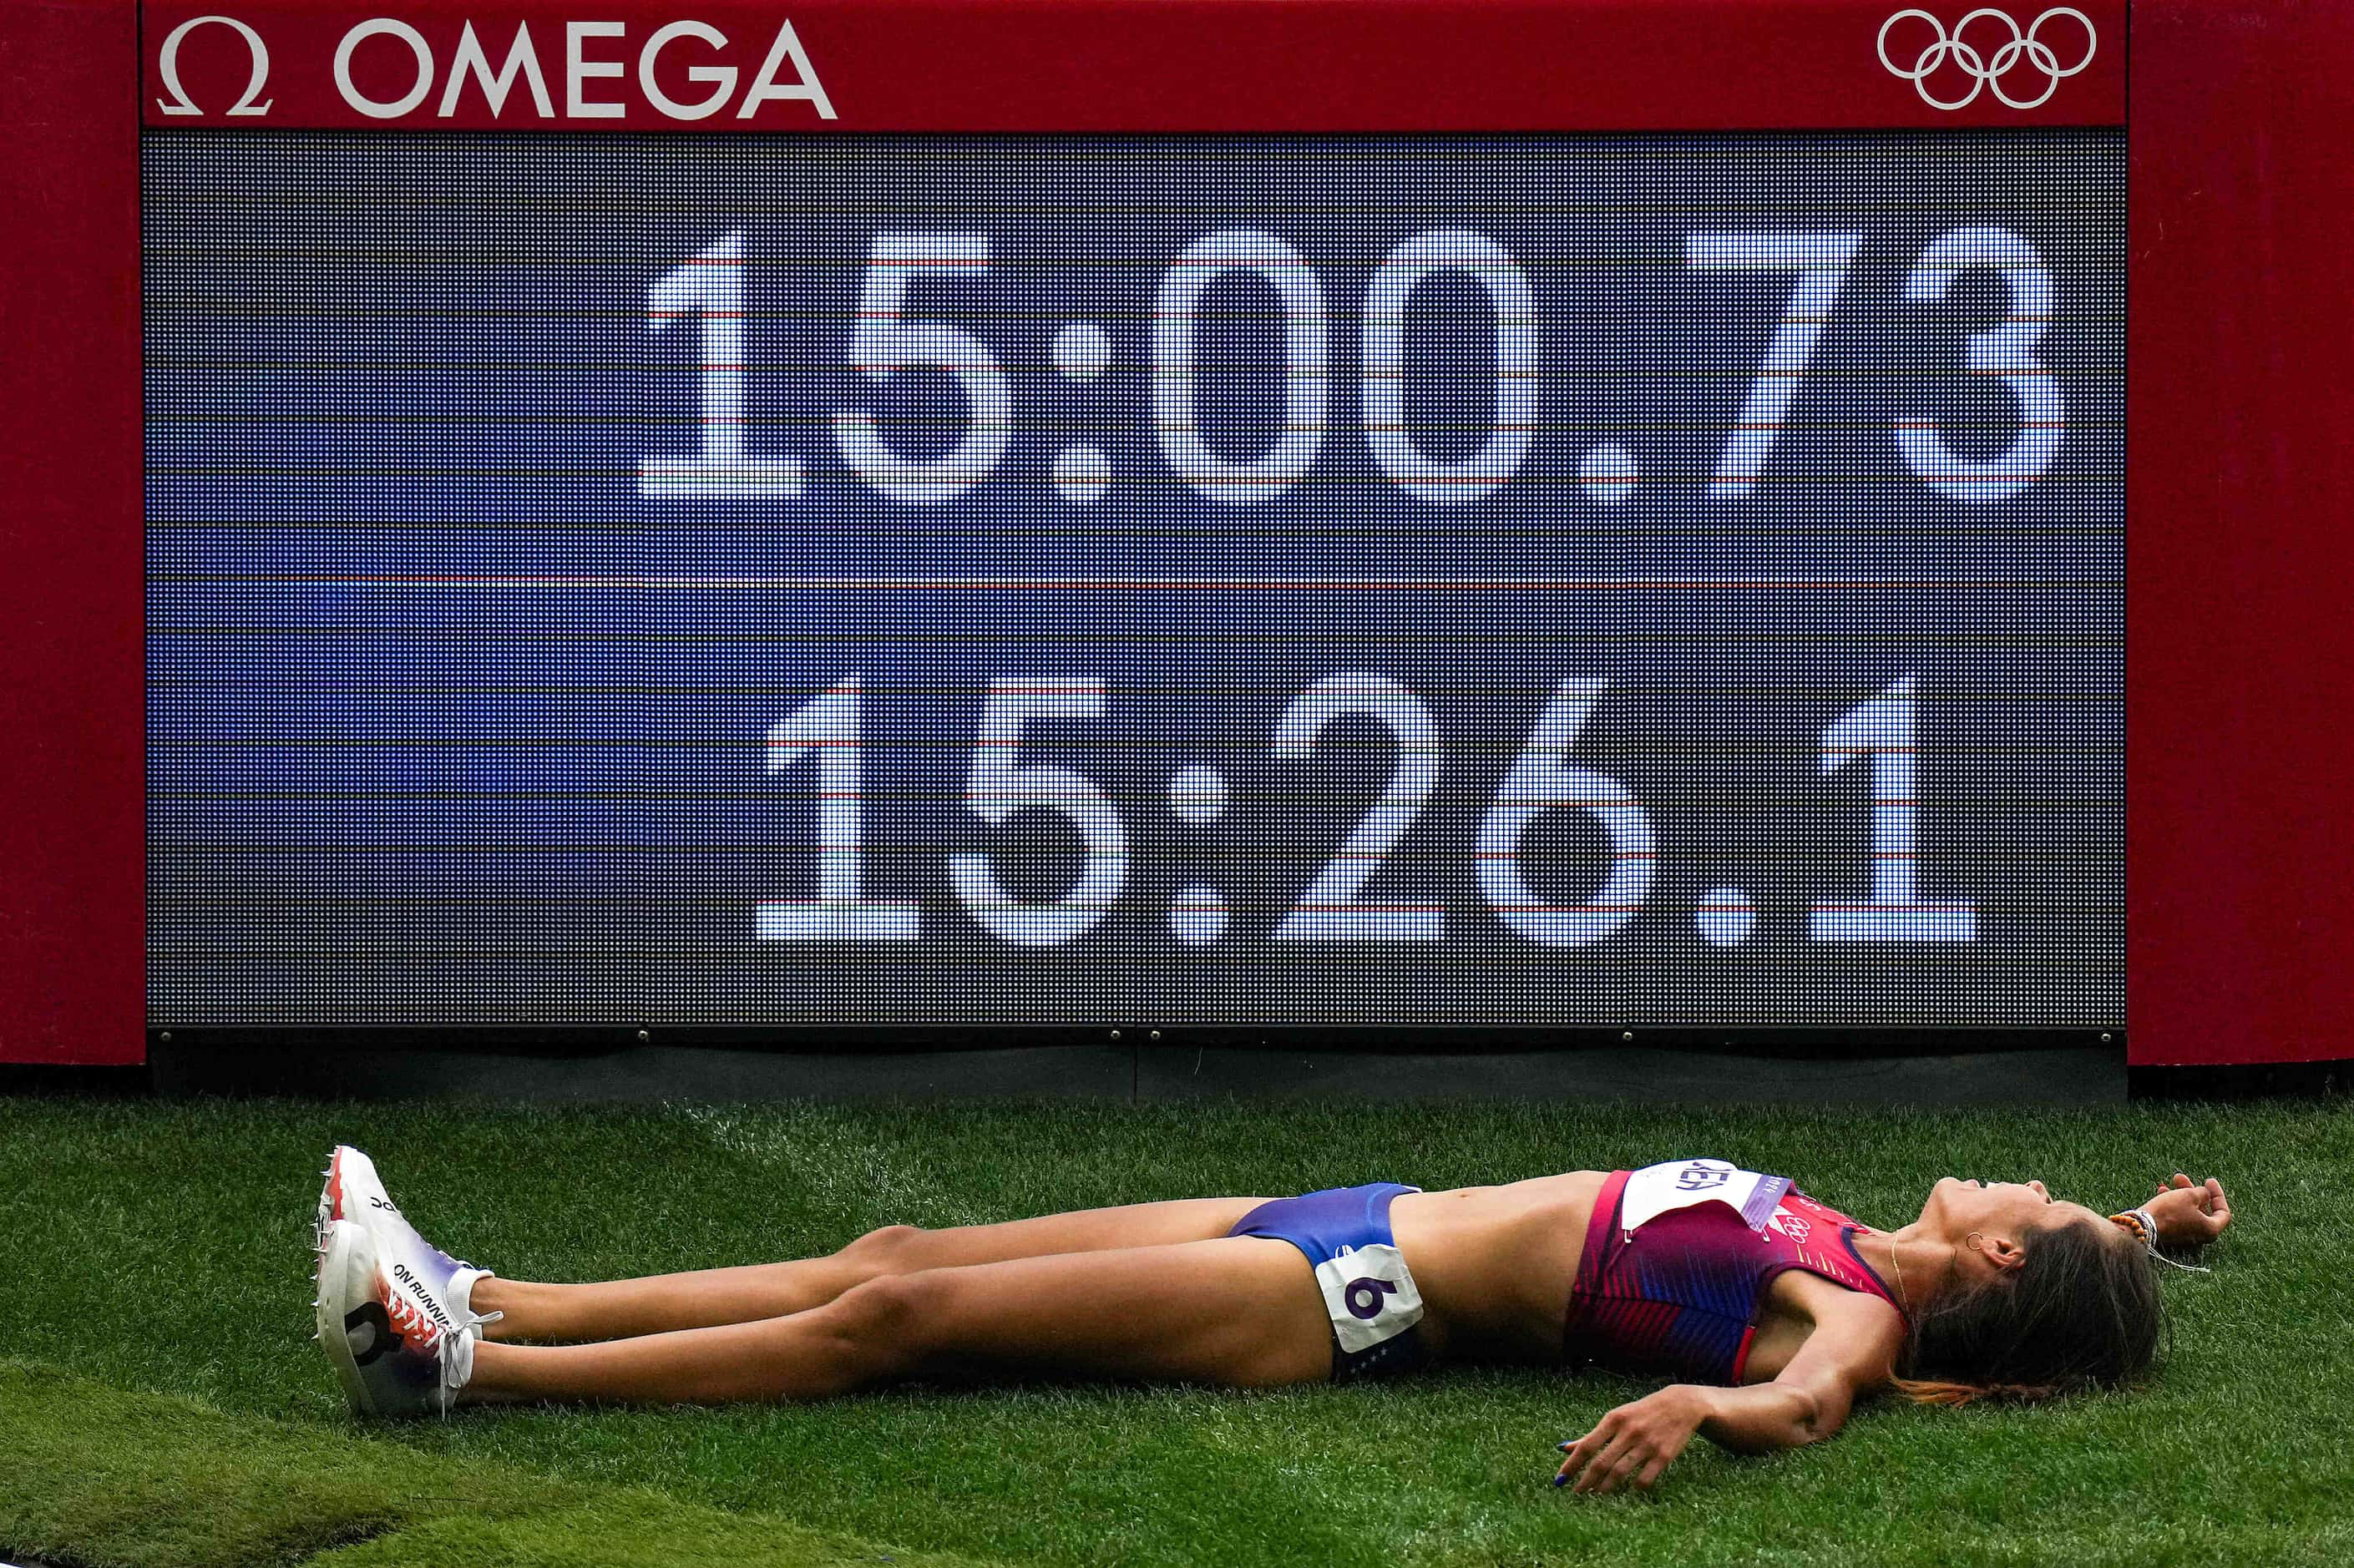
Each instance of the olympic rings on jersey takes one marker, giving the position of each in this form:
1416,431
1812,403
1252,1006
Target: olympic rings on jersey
1984,70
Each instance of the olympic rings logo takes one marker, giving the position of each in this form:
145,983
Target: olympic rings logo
1988,70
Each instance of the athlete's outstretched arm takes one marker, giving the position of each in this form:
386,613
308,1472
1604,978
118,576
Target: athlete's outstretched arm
1851,1350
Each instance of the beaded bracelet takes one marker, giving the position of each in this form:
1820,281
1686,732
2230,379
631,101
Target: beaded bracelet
2144,1226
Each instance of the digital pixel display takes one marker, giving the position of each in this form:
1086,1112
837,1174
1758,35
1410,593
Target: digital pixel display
1359,581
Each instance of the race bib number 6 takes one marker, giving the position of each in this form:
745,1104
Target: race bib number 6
1369,1295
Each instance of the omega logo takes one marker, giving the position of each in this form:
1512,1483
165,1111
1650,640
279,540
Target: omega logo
168,64
587,78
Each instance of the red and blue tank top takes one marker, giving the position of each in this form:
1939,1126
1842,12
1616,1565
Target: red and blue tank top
1674,1274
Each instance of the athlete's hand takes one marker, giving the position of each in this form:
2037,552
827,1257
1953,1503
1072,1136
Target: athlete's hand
2189,1213
1635,1442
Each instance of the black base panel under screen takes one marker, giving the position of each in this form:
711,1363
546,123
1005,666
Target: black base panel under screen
1782,473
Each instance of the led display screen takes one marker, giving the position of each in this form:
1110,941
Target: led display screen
1362,582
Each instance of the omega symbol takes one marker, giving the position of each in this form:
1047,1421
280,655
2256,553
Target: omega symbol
167,65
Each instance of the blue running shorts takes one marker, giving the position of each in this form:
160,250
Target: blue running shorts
1345,1233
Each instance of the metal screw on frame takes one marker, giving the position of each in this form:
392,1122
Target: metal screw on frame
644,1035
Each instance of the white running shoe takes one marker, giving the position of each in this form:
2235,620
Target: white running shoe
392,1358
442,1287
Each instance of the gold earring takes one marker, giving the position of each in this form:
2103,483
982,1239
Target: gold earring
1972,1239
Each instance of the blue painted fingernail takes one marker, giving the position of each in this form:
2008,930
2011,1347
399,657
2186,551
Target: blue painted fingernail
1563,1447
1558,1480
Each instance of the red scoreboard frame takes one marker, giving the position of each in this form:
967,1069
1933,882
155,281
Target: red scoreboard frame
2240,656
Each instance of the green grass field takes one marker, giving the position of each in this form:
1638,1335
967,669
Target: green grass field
160,1402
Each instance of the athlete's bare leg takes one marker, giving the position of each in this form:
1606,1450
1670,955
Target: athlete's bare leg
1238,1311
758,1292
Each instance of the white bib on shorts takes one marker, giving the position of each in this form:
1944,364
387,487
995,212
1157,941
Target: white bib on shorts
1369,1295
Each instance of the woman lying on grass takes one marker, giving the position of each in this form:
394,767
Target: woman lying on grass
1778,1312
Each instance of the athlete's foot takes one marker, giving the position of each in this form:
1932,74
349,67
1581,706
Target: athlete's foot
442,1287
392,1358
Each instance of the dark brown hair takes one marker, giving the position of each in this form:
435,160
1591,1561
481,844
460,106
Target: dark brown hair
2080,1310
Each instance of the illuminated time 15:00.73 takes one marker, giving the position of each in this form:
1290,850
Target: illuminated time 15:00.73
888,337
1542,778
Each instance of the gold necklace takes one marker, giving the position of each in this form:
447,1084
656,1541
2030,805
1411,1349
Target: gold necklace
1903,1294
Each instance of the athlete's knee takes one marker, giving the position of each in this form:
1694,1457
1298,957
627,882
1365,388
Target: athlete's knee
880,1323
887,1247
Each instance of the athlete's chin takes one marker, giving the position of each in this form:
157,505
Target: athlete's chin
1953,1201
1939,1192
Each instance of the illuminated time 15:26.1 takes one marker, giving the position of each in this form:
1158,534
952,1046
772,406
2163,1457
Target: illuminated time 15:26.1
1542,778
